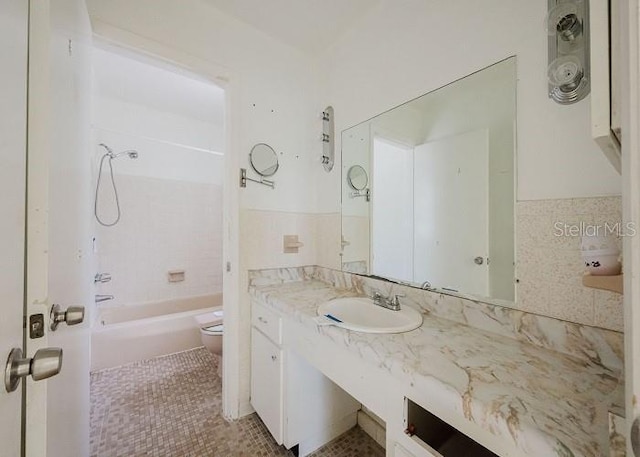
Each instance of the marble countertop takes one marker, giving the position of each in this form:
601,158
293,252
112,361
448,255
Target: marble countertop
544,402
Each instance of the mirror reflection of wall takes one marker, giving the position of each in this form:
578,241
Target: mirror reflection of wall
355,211
449,158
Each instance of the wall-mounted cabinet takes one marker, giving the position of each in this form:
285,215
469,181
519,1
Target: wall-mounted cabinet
605,79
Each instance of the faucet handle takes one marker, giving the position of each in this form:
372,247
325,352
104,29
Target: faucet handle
396,297
102,277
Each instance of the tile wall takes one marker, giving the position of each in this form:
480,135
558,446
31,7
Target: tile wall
165,225
261,246
549,267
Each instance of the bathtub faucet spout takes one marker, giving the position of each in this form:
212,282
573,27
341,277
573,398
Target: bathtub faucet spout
101,298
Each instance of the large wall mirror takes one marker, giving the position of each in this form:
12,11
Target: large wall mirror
441,189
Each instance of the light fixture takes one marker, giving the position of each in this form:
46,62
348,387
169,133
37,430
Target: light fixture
328,142
568,70
567,80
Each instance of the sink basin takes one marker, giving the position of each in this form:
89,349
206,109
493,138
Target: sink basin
361,315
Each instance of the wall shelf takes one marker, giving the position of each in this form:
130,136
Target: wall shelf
611,283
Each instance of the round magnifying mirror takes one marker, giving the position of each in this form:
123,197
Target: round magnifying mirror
263,159
357,177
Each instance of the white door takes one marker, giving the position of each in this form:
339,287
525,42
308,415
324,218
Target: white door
392,224
59,216
71,261
451,212
13,125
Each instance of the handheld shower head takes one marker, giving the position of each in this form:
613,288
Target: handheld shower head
132,153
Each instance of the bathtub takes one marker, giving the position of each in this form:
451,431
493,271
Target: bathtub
125,334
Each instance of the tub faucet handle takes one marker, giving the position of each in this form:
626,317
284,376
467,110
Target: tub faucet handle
102,277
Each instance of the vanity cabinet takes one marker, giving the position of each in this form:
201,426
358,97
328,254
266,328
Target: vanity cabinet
266,382
267,367
298,404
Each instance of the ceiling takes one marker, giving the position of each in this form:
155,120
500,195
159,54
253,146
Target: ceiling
135,79
309,25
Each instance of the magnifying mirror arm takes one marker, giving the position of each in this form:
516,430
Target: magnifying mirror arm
366,193
244,178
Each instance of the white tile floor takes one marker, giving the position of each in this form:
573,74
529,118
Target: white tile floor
170,406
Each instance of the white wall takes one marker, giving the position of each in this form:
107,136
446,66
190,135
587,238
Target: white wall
170,146
405,48
277,94
138,122
273,99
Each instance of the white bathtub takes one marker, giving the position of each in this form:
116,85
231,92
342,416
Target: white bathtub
124,334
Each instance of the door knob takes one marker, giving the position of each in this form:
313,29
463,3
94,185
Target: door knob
45,363
72,316
635,437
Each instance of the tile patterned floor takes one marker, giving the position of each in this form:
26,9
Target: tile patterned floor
170,406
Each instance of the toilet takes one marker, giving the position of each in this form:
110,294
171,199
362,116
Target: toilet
211,331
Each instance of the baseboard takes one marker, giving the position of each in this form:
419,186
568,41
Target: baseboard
245,409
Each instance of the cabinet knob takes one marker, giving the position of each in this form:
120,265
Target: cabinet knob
274,358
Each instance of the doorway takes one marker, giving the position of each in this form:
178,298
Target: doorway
158,168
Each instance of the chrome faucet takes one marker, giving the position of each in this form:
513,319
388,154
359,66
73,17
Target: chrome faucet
387,302
426,285
101,298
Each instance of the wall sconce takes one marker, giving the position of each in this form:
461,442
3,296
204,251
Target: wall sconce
328,143
569,67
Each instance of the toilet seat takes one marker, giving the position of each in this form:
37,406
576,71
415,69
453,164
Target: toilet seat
217,329
208,319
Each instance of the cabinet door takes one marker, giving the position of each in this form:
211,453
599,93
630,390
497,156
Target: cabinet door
266,382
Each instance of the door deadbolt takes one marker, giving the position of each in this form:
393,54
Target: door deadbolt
45,363
72,316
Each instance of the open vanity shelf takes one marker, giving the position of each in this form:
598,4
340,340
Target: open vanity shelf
611,283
